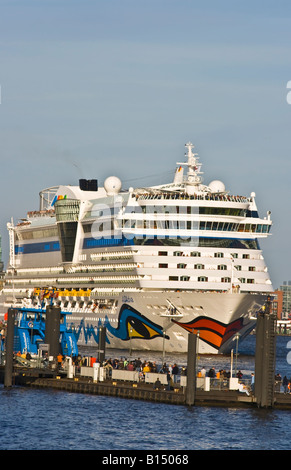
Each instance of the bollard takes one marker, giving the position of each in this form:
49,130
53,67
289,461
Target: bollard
191,369
206,384
9,347
70,373
96,367
102,374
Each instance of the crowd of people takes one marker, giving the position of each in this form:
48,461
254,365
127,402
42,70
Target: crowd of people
285,382
172,371
142,366
221,374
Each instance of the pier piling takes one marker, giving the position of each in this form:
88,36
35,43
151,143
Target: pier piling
102,343
191,369
52,329
9,347
265,358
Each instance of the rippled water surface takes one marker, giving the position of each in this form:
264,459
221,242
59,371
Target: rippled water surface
56,420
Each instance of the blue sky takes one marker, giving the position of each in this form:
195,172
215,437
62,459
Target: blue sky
95,88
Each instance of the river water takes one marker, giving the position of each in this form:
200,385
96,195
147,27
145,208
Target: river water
57,420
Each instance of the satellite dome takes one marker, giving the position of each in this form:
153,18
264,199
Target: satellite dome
217,186
112,185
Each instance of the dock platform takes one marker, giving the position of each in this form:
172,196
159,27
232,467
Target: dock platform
39,378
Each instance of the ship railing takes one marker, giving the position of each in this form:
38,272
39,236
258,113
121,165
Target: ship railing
225,383
221,383
30,363
200,197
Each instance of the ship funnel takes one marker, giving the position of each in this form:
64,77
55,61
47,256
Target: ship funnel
179,175
88,185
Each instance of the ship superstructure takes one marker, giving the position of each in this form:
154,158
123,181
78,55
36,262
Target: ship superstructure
151,264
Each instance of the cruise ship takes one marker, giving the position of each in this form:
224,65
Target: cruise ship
151,264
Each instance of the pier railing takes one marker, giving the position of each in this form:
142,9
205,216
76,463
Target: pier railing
102,374
179,381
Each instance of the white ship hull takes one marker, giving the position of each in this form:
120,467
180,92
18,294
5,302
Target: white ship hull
143,322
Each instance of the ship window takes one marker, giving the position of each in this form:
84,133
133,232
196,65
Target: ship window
163,265
67,235
195,253
252,268
238,268
202,279
216,242
87,228
37,234
222,267
163,253
246,256
173,278
67,210
218,255
222,211
184,278
181,265
199,266
225,279
250,281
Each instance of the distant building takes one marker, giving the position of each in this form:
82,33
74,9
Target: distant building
1,267
284,300
278,303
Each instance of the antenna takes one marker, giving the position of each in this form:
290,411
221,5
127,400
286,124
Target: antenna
10,227
193,179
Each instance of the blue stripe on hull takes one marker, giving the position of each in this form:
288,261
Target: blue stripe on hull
44,247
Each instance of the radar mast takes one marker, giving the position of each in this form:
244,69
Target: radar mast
194,179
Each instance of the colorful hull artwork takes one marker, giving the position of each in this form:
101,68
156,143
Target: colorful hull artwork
134,325
212,331
131,325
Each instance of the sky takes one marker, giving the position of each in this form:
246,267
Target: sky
95,88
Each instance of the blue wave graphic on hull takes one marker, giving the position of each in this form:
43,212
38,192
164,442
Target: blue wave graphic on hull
131,325
89,331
